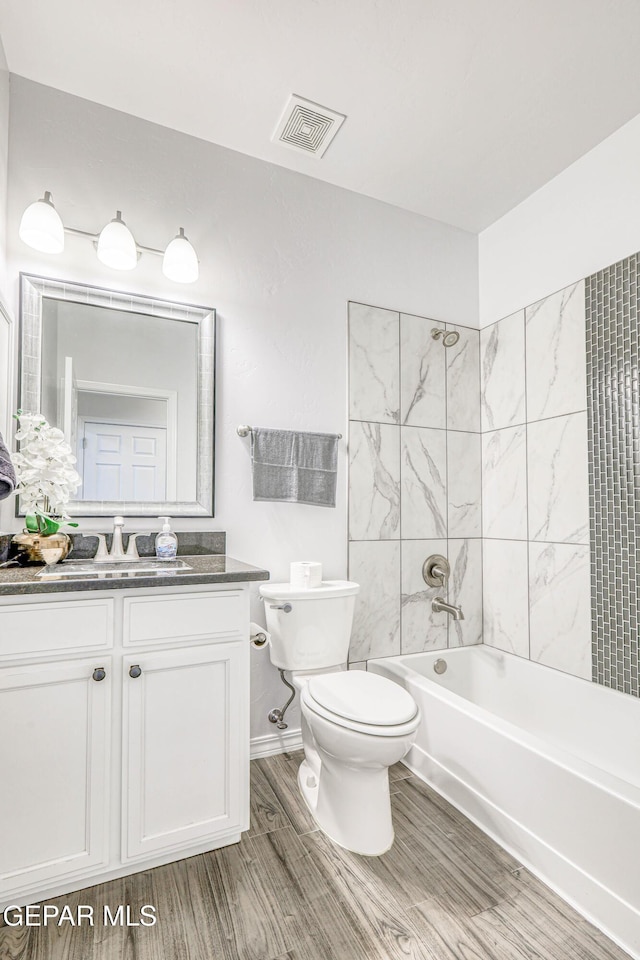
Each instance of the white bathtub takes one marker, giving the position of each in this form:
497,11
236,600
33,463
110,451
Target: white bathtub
547,764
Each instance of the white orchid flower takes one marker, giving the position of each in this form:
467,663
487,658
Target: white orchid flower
44,466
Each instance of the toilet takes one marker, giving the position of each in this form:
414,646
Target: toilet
355,724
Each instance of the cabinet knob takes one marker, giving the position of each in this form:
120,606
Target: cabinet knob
134,671
99,674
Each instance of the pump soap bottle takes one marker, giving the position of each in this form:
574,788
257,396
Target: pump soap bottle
166,541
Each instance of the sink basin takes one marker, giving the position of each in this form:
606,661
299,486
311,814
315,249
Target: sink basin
86,569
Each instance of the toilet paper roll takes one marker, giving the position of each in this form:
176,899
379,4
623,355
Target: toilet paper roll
258,635
305,574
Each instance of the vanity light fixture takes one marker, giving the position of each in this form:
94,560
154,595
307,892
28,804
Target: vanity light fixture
42,229
116,245
180,262
41,226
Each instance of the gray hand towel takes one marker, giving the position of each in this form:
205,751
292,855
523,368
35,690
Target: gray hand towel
295,467
7,473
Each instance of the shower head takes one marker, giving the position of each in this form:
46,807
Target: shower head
449,337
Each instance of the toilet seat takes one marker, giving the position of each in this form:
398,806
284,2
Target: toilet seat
364,702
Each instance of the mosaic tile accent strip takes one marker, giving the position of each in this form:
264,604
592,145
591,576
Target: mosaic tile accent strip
613,402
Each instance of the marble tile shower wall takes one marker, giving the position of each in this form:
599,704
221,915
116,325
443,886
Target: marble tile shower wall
535,488
414,481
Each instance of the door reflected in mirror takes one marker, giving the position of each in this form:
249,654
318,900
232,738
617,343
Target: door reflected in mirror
122,388
131,390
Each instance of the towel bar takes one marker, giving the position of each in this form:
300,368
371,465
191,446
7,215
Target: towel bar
244,430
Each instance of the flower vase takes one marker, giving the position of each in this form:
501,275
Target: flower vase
36,549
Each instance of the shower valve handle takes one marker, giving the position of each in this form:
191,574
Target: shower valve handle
436,571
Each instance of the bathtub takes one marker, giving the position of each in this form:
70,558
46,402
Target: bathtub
545,763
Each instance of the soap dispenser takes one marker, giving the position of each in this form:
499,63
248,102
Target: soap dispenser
166,541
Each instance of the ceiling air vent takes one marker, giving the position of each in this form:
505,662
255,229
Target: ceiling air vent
307,127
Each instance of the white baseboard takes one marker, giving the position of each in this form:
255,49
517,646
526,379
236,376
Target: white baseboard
271,743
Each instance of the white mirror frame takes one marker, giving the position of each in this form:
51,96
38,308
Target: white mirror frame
32,292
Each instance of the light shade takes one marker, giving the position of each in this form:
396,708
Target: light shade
180,262
41,226
116,245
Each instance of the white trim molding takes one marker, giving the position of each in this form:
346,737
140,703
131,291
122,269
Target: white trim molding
270,744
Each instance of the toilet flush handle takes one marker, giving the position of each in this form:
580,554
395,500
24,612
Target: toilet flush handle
285,607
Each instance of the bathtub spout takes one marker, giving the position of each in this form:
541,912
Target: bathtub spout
438,605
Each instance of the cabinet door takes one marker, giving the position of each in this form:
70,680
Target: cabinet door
54,762
185,747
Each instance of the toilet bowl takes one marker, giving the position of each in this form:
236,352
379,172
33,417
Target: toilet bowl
355,724
354,729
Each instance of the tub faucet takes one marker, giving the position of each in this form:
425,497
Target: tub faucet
438,605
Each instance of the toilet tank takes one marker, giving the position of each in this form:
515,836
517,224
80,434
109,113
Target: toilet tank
315,633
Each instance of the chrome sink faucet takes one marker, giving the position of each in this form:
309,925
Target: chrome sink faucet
438,605
117,549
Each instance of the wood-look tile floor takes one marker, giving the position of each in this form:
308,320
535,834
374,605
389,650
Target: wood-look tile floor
444,891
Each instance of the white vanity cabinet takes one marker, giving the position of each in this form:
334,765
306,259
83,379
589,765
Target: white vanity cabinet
55,736
181,776
124,737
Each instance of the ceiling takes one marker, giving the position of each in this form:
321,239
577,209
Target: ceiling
456,109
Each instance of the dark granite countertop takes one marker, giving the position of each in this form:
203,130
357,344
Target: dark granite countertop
214,568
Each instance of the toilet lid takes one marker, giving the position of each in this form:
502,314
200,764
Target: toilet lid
363,697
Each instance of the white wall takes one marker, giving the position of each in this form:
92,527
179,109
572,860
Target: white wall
7,328
107,406
281,254
4,150
581,221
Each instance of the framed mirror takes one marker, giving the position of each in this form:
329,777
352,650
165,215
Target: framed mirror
130,380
